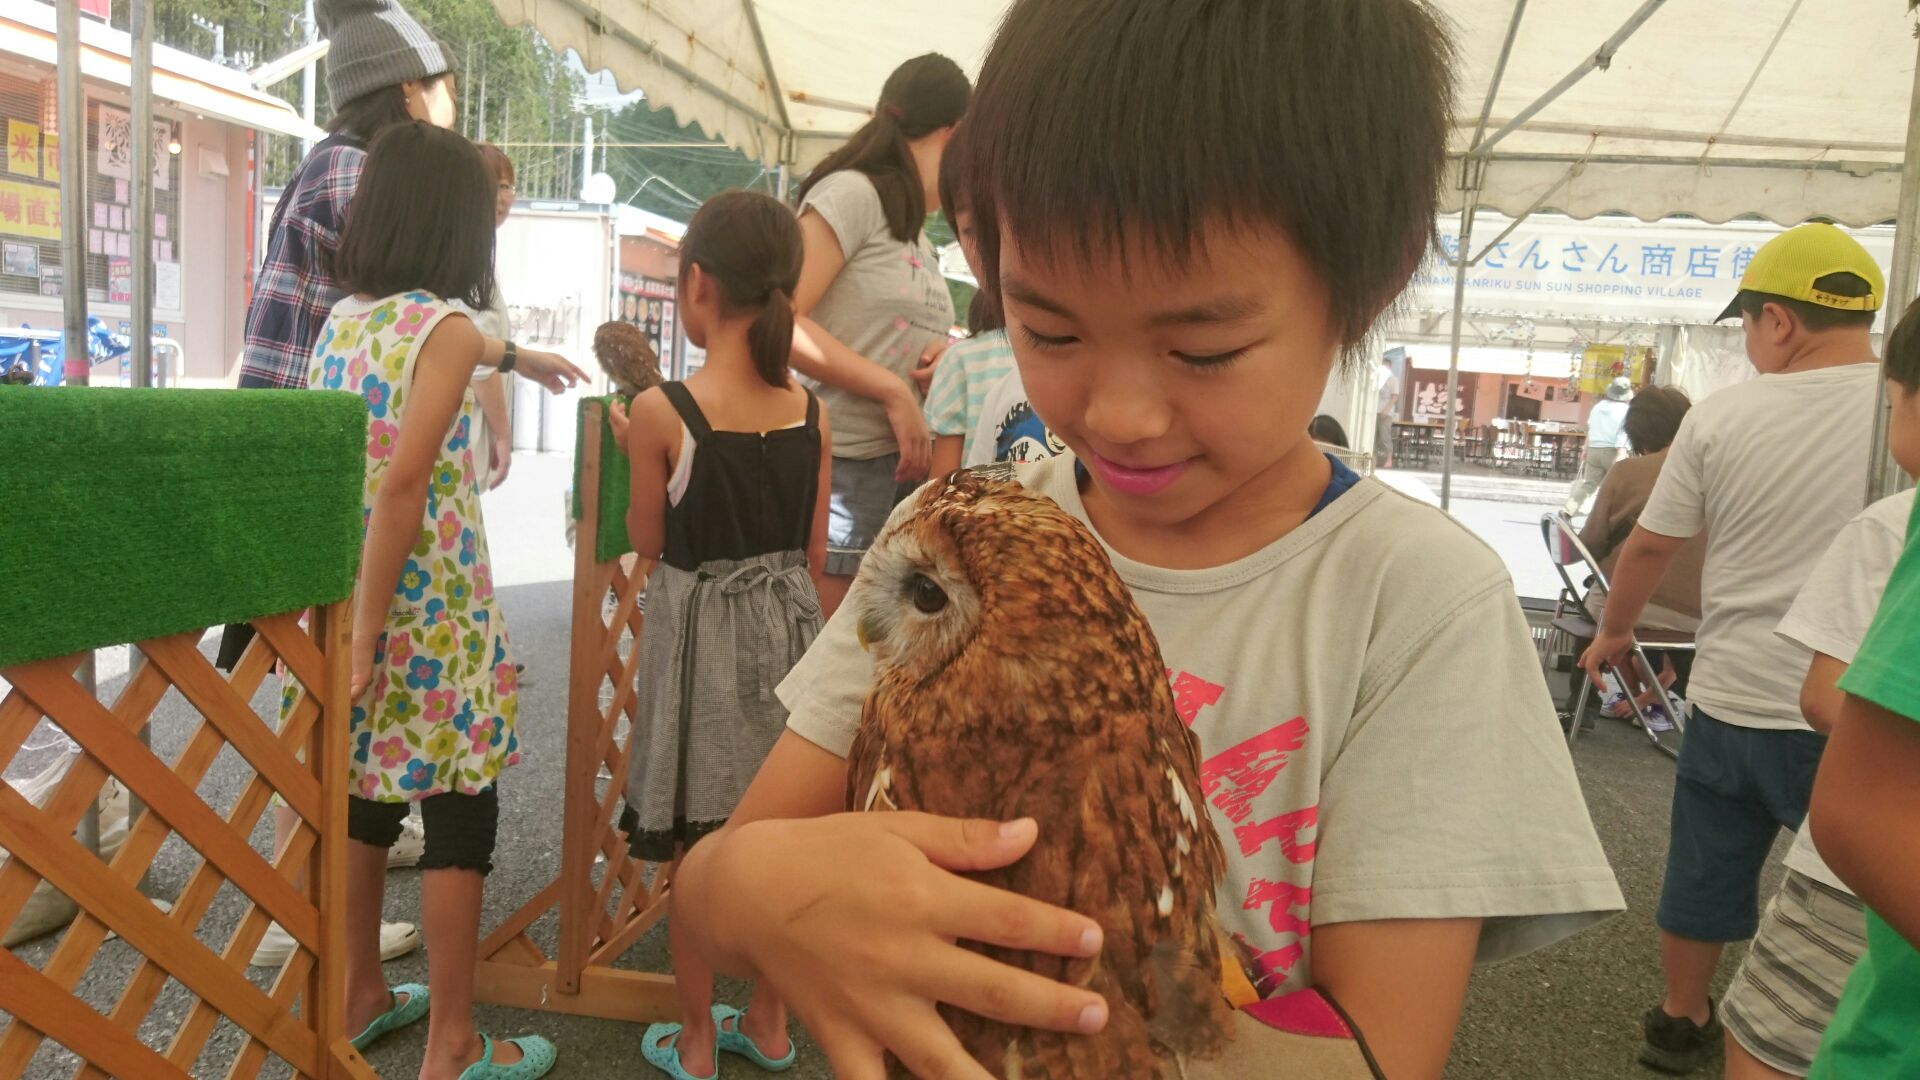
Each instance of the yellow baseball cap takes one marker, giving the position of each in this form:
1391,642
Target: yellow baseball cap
1790,263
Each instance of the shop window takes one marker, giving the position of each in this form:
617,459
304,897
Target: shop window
31,259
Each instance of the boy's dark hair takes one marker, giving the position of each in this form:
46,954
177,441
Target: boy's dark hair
373,112
422,218
922,96
1325,429
1653,419
1815,317
750,246
983,311
1903,350
1124,120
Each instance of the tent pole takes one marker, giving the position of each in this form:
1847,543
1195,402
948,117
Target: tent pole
1600,59
1884,477
140,23
1453,359
73,195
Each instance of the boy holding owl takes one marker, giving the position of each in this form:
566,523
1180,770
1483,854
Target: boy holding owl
1207,216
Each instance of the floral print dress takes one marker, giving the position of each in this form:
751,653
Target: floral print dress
439,714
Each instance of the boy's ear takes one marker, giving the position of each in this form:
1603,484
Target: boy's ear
1777,322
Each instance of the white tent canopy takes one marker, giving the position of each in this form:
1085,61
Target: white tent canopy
1788,109
782,80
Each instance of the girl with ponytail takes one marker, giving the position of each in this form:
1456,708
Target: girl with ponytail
874,310
730,477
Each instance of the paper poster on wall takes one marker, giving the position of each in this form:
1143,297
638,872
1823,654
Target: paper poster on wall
120,194
23,148
163,250
20,260
93,242
162,175
50,157
166,286
102,216
114,156
1601,364
119,281
50,278
122,245
119,214
160,226
29,210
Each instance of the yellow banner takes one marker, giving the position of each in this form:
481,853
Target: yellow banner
1601,364
23,148
29,210
50,163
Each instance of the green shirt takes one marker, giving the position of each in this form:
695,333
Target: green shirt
1874,1026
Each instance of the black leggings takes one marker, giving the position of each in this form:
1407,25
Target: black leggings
461,829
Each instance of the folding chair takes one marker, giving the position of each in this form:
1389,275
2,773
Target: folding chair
1571,618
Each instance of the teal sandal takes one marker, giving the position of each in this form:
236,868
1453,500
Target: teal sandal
735,1041
396,1017
536,1060
662,1051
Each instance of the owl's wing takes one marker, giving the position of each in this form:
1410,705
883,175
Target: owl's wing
868,776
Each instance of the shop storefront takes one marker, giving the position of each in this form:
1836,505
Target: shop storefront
206,119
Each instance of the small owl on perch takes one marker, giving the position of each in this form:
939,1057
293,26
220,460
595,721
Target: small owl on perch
1014,677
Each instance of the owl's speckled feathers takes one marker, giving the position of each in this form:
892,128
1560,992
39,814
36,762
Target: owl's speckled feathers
1015,677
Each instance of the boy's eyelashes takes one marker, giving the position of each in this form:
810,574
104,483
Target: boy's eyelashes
1208,361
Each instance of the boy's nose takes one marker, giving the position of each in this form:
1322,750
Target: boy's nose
1127,408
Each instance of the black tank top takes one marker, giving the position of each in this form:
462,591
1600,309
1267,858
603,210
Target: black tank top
748,493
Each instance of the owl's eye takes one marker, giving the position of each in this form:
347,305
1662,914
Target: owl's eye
928,597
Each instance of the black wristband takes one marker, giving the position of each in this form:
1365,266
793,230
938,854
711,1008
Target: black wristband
510,357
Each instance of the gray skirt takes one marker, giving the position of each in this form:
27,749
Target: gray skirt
715,644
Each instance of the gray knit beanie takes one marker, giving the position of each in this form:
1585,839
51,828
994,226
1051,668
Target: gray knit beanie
375,44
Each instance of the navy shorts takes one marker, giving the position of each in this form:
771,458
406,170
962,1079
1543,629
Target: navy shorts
1735,789
864,494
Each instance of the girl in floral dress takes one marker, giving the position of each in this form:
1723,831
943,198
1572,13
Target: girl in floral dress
434,684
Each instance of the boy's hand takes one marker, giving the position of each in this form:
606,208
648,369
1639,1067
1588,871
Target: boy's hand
619,421
1610,648
863,955
551,370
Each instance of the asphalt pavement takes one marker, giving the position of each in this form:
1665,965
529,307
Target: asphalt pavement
1569,1011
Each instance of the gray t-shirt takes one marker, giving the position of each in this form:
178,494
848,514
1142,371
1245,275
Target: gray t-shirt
888,304
1377,741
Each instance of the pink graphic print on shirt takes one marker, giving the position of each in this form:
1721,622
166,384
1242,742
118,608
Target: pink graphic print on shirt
1232,781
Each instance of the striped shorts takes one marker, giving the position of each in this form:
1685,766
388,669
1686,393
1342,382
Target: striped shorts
1782,997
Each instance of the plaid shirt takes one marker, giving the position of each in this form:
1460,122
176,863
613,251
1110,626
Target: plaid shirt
295,290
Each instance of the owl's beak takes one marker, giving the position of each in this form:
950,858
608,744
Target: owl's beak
864,635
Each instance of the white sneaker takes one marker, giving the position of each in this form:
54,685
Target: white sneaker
397,939
412,844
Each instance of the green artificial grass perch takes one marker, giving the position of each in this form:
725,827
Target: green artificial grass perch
616,483
130,514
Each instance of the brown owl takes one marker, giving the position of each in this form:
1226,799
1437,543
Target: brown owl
627,357
1014,677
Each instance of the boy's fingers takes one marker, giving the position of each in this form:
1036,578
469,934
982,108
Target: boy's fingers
993,916
989,988
852,1055
960,843
927,1047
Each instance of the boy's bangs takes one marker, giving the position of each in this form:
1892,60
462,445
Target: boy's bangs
1135,125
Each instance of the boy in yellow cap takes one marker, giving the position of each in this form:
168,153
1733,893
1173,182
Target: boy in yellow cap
1770,470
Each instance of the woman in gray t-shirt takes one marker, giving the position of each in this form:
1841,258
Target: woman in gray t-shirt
873,307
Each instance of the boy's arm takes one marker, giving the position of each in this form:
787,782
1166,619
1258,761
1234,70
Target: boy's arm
1643,562
1402,982
1866,811
1821,698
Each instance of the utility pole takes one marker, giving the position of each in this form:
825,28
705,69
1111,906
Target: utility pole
307,78
140,26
